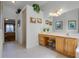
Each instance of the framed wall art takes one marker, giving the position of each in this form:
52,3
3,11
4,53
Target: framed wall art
59,25
39,20
72,24
50,22
47,22
32,20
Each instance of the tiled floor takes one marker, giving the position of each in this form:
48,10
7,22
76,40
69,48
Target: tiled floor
11,50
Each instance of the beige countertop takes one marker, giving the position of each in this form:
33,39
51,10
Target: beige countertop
76,35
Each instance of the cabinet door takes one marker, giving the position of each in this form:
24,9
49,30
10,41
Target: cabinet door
70,45
60,44
42,40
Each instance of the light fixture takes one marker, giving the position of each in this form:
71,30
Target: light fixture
13,1
6,18
61,10
50,14
56,13
59,13
53,14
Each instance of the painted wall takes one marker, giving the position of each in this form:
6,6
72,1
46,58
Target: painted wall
1,29
1,10
46,17
32,29
19,30
9,12
0,14
70,15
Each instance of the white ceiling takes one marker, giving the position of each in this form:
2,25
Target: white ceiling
53,6
21,4
46,6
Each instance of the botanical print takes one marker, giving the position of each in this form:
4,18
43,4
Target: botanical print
32,20
39,20
71,24
59,25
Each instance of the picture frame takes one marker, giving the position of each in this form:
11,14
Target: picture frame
39,20
32,20
72,24
59,25
50,22
47,22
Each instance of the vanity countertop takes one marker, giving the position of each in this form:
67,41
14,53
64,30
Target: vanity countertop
62,34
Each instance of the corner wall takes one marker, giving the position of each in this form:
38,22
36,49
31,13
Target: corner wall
33,29
10,13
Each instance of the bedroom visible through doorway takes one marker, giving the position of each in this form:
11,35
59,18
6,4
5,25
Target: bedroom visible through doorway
9,30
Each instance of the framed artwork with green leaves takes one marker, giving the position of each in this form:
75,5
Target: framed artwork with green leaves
72,24
59,25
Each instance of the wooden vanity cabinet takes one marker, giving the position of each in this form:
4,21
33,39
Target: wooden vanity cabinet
60,44
70,47
66,46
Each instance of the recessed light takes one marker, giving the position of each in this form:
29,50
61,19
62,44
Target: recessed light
13,1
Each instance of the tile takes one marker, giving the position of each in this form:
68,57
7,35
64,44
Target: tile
12,50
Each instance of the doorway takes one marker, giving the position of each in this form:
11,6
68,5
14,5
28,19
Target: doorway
9,30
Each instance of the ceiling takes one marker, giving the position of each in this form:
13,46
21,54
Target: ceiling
56,5
21,4
47,6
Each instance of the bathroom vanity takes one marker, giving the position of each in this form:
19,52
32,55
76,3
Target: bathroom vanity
62,43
